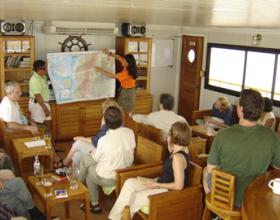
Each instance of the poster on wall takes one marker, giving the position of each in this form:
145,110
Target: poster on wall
74,78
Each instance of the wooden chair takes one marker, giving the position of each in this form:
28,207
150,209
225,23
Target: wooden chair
221,198
133,125
183,204
197,151
150,132
200,114
7,135
154,134
147,152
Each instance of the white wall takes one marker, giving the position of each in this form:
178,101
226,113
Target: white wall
166,79
163,79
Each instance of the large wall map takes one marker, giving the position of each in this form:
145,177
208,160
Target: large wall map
74,78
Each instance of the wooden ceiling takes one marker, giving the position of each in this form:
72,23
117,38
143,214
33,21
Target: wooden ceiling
211,13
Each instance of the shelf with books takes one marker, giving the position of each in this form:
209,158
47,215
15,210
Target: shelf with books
16,60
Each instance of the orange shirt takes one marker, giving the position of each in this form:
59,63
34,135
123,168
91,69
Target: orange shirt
125,79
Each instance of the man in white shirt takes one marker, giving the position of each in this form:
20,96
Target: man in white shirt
10,111
115,150
162,119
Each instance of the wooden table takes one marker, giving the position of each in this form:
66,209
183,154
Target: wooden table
21,152
201,131
259,202
81,193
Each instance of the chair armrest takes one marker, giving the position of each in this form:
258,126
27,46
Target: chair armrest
201,160
8,131
177,204
146,170
200,114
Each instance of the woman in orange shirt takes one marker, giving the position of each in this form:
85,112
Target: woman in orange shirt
126,77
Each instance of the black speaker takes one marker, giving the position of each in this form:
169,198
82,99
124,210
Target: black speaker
134,30
12,28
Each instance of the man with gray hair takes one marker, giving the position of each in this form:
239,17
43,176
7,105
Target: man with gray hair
10,111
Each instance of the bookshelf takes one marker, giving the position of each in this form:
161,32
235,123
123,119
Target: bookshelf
141,49
16,59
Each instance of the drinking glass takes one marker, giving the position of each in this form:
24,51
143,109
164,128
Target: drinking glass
47,183
72,174
47,138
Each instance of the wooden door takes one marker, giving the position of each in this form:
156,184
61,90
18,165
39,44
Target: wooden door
190,79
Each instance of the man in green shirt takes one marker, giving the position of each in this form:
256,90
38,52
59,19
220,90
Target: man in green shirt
39,106
245,150
39,94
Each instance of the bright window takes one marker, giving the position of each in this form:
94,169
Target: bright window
231,68
259,72
220,74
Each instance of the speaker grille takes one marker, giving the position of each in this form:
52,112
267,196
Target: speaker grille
133,30
12,28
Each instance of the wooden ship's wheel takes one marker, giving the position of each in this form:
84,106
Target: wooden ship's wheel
74,43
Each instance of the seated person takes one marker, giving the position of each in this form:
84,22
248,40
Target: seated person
6,161
246,150
175,175
162,119
267,118
14,193
10,111
222,110
115,150
84,145
11,114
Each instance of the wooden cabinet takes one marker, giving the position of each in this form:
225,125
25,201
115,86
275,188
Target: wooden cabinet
144,104
84,118
141,49
16,60
78,118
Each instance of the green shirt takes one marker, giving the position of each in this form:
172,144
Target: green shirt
39,85
245,152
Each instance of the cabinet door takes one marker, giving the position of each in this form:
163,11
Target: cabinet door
68,121
91,117
143,104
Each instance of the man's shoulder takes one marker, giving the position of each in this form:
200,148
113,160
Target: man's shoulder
119,131
34,78
6,102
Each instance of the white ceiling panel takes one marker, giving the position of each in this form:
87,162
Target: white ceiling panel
235,13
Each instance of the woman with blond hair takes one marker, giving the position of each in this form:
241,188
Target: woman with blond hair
222,113
84,145
175,174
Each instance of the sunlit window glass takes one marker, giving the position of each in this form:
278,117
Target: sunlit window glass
226,68
259,72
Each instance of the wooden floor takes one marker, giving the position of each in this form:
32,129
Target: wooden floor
76,213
